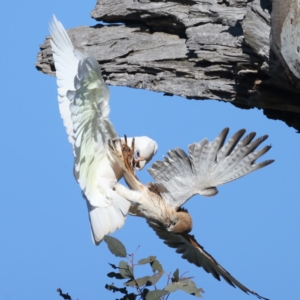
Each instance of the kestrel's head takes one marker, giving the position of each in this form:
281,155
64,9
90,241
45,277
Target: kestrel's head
180,222
144,149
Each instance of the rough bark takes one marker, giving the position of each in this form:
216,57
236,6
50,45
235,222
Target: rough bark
199,49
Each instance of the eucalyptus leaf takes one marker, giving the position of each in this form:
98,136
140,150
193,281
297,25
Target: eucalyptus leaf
185,278
155,295
130,296
146,260
125,269
154,278
140,281
175,276
156,266
191,288
113,266
145,291
174,286
114,289
115,246
115,275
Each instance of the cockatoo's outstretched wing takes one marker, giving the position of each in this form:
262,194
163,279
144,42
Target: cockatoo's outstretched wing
84,106
208,165
187,245
83,103
66,64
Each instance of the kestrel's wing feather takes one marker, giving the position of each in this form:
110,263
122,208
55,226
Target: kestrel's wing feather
208,165
84,106
187,245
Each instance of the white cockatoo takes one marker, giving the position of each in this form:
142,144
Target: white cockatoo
181,176
84,107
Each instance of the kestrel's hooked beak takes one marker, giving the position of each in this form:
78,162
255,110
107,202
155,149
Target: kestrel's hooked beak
169,229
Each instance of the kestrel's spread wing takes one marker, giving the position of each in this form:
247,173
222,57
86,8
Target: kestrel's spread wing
221,163
84,106
208,165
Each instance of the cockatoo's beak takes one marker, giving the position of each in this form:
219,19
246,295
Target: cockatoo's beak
140,163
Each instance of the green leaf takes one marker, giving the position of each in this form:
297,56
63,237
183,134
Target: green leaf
114,289
155,295
175,276
154,278
140,281
191,288
185,278
113,266
115,246
130,296
147,260
156,266
125,269
144,293
115,275
174,286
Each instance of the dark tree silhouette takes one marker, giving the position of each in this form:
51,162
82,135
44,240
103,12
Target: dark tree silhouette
65,296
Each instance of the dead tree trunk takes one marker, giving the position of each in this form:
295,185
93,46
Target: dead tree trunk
244,52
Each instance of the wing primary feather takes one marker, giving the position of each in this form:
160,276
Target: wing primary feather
208,165
209,153
195,150
230,145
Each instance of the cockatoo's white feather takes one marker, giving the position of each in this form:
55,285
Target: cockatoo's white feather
66,66
84,106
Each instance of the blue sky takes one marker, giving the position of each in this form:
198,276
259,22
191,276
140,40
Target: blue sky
251,227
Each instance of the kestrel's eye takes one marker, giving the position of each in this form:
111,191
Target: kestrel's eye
136,154
172,223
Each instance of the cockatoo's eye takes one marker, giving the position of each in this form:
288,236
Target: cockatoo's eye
136,154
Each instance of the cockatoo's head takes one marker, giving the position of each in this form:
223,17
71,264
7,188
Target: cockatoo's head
144,149
180,222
